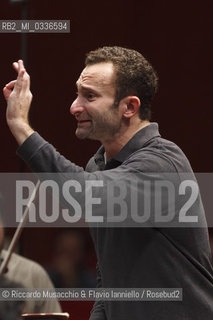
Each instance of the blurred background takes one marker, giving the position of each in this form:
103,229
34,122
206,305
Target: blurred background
175,36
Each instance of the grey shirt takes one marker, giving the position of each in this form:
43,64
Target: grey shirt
141,257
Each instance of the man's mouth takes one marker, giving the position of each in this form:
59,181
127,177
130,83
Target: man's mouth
83,122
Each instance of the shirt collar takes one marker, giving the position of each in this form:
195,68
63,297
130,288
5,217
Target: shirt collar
138,141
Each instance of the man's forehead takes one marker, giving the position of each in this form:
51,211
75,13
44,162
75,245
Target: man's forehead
97,74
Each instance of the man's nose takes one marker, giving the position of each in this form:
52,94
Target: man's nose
76,107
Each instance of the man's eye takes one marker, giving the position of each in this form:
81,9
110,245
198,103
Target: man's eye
91,96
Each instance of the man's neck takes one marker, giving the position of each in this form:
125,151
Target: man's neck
113,146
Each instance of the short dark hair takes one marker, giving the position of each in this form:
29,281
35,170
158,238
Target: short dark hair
134,75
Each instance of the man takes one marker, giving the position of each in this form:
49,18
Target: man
30,275
115,91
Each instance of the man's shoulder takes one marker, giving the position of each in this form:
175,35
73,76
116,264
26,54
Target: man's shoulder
24,265
159,154
152,154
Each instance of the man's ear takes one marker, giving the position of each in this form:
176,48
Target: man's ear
130,106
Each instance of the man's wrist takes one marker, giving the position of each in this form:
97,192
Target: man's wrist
21,131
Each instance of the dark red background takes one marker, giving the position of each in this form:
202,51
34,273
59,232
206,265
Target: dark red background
176,36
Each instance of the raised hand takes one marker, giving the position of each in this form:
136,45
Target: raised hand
18,96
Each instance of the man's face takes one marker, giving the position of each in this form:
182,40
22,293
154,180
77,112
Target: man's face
94,108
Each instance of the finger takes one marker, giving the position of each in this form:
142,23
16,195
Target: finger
6,93
23,79
20,69
15,66
18,66
21,65
11,84
23,76
8,89
20,79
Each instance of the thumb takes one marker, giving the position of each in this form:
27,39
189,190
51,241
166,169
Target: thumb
7,90
6,93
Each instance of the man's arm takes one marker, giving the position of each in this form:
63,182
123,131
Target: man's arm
18,96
